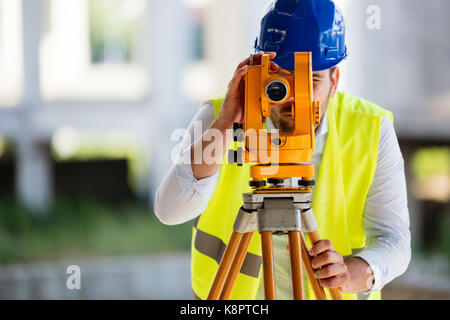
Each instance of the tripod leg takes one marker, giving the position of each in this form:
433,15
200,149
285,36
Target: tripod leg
236,265
224,266
319,292
296,265
335,292
268,265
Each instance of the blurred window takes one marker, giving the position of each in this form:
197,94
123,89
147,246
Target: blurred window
198,79
114,30
94,50
11,57
198,31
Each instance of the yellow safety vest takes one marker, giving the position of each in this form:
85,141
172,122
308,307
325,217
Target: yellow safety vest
346,173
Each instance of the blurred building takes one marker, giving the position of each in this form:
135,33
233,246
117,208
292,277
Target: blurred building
96,71
121,75
116,78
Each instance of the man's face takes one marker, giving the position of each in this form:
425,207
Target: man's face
324,87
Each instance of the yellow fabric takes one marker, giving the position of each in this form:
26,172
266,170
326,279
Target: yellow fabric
346,173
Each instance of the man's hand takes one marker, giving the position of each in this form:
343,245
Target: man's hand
232,111
329,266
233,106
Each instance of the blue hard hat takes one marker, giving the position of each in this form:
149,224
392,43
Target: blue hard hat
290,26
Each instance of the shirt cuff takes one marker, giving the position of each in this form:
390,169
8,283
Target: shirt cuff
188,183
374,265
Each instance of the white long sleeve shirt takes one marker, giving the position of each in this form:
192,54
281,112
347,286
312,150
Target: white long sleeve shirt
181,197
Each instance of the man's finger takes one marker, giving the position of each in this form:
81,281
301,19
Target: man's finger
321,246
247,61
331,270
274,66
325,258
235,82
334,282
256,59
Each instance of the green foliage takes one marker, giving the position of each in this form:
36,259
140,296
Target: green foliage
84,228
429,161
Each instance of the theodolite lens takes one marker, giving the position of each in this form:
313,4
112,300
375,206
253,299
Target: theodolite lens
276,90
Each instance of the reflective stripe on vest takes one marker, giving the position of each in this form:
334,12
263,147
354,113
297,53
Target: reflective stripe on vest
214,248
346,173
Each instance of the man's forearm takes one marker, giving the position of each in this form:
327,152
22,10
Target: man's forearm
214,141
361,276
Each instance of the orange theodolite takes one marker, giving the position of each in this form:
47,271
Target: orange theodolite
273,207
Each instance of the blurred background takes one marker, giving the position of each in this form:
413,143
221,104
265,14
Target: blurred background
91,91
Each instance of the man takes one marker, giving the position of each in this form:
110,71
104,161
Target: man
360,196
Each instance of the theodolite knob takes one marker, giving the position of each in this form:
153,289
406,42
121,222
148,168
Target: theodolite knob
275,181
238,132
235,156
306,183
257,184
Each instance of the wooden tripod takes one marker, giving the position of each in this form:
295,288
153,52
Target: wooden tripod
271,213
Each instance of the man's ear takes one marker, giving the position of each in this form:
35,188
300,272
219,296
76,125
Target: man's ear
336,73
